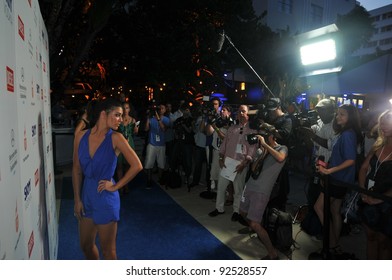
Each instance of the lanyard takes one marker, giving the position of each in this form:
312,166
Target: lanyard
378,163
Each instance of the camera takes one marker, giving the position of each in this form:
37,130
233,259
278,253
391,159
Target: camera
152,109
258,119
221,122
307,118
252,138
209,110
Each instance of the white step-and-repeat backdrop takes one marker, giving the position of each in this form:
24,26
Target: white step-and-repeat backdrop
28,220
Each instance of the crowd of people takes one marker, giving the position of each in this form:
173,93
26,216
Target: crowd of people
246,161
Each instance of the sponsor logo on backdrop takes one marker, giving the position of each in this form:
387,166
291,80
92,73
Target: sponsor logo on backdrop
8,10
32,89
25,144
25,139
22,87
37,89
35,15
21,28
30,244
36,177
34,136
16,218
10,79
31,48
27,194
13,156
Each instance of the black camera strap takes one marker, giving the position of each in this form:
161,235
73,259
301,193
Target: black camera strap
257,166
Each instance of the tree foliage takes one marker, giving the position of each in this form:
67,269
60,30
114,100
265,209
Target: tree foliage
356,28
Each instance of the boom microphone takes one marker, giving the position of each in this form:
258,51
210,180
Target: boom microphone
221,40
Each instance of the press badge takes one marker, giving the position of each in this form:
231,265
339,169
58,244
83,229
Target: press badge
157,138
370,184
238,149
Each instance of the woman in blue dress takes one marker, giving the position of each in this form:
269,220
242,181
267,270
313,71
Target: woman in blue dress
97,202
341,169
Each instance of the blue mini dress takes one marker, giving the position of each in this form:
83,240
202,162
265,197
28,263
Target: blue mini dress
102,207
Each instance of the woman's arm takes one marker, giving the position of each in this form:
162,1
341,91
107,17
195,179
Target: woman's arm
280,156
364,170
80,126
121,146
343,165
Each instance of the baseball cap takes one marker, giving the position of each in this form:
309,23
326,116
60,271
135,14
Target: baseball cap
272,104
326,103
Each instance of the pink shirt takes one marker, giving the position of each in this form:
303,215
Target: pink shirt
234,144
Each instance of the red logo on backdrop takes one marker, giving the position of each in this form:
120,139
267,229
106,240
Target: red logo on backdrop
21,28
36,177
30,245
10,79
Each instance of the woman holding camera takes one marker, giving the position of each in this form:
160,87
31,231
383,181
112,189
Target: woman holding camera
257,192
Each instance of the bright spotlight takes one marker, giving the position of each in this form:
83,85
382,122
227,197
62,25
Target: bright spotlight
318,52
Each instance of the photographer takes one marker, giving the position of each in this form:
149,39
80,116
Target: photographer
284,127
218,132
156,124
265,170
183,143
322,135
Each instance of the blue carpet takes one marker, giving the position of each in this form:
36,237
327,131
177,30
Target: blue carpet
152,227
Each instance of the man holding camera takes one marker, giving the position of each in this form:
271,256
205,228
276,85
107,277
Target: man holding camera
156,124
270,160
322,135
236,150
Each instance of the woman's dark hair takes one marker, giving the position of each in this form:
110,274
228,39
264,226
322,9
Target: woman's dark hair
228,107
353,122
106,105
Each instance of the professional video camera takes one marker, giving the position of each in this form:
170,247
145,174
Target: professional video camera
307,118
208,110
152,109
257,117
221,122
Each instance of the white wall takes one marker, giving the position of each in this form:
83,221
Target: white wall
29,226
